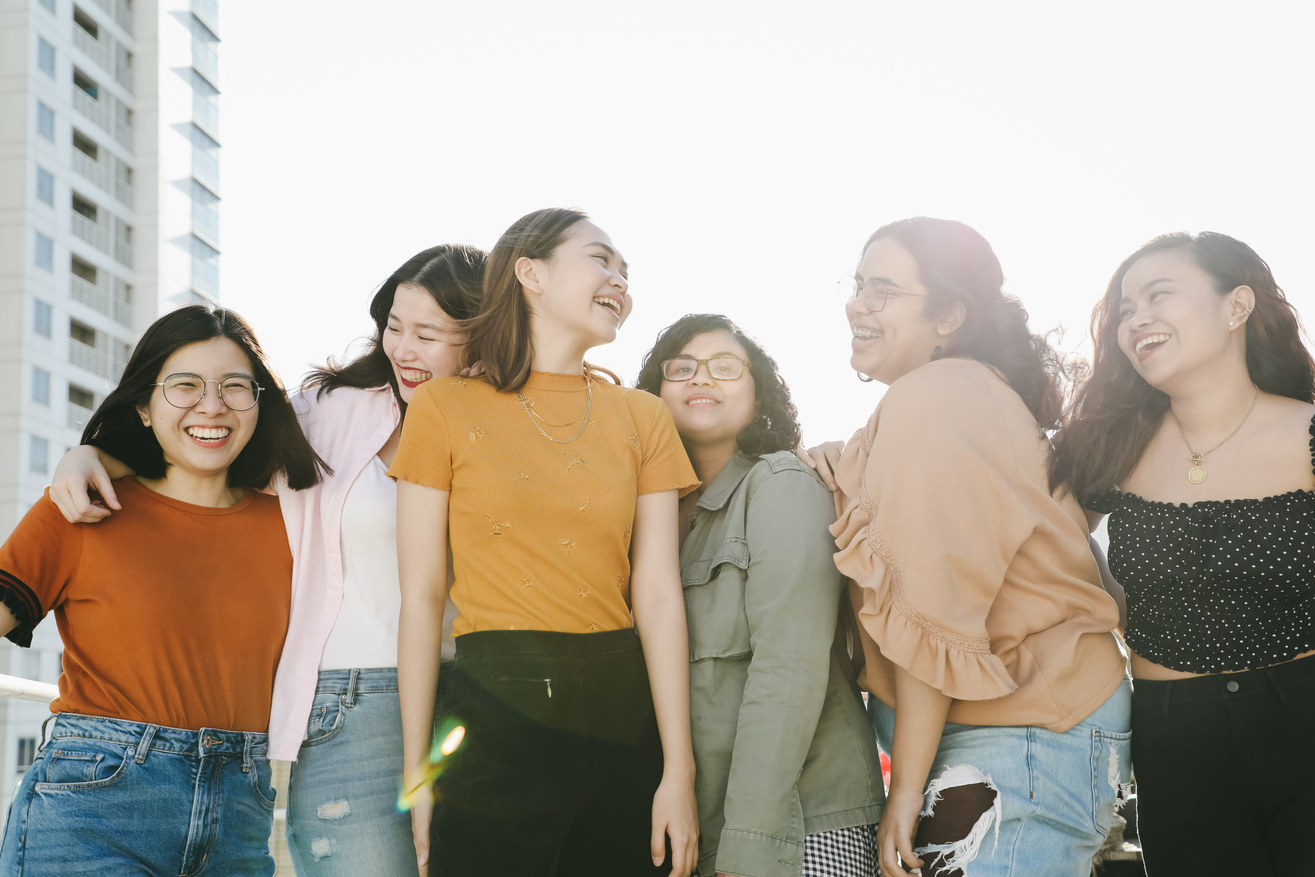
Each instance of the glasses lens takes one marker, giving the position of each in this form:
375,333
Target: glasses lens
848,288
874,295
681,368
725,368
183,391
239,394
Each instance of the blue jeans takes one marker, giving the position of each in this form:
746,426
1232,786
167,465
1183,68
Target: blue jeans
343,819
1055,795
109,796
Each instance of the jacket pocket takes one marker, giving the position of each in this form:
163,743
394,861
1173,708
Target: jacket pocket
714,604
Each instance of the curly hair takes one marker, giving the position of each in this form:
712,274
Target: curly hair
1115,413
776,428
957,265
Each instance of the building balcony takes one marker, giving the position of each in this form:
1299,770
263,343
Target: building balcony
123,75
123,130
95,49
123,189
92,232
123,250
208,12
97,110
89,168
89,358
103,300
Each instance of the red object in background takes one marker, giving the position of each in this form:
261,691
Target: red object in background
885,770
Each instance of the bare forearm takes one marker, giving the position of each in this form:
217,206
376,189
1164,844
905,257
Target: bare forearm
920,713
661,627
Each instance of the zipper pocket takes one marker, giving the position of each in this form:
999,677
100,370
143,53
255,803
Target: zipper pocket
497,677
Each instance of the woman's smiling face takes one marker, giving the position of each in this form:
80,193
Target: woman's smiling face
710,413
421,341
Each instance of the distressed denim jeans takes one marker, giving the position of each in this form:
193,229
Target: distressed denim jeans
343,819
109,796
1054,795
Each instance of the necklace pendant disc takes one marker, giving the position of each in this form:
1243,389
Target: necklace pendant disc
1196,474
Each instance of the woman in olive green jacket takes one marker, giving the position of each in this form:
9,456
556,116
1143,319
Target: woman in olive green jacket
788,778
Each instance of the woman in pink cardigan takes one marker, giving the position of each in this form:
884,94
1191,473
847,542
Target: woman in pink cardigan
335,707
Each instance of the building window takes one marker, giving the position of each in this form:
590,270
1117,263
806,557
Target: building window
27,751
45,121
39,459
40,386
42,319
86,22
45,186
49,4
82,333
45,57
45,257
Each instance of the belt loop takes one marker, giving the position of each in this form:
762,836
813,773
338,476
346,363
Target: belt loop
1168,694
349,699
44,725
246,753
1273,681
144,745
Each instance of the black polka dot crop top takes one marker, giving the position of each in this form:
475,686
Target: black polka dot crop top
1218,585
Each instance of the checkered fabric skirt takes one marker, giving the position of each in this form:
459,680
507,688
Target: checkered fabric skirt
845,852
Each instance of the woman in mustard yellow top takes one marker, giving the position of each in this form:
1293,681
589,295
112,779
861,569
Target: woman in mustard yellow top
557,491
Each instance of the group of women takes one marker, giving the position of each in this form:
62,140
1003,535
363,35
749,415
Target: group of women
519,619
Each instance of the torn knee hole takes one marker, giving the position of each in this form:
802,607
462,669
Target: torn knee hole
962,806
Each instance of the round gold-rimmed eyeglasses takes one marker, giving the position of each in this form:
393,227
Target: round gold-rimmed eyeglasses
184,390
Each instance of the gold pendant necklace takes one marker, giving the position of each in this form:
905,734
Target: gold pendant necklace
1197,473
588,406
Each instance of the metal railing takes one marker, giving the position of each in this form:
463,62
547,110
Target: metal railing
27,689
96,49
123,250
91,231
96,110
78,416
123,128
86,166
101,299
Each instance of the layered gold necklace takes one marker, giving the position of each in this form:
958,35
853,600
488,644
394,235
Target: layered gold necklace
535,418
1197,473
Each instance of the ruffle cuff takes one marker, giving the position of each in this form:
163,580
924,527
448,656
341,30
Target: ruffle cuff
962,667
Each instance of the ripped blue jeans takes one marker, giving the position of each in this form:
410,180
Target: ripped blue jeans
343,819
1049,799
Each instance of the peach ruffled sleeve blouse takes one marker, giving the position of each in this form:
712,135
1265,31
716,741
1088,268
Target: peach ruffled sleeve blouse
964,569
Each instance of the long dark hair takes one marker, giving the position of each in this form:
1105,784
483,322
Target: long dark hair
277,445
453,274
957,265
1115,413
776,428
499,335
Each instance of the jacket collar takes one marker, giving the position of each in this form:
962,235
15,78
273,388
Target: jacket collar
727,480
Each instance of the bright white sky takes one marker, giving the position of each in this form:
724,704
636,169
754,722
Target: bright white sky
740,153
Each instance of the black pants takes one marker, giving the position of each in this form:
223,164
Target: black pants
560,760
1225,769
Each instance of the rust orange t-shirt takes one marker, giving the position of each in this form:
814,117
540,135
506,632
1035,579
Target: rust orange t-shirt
540,530
171,613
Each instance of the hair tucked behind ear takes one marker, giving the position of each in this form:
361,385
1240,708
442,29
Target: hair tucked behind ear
958,266
1115,413
776,428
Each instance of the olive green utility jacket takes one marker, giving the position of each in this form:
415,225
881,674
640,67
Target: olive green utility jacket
782,746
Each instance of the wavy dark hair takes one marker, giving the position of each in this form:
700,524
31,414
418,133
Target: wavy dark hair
958,266
453,274
277,444
1115,413
499,335
776,428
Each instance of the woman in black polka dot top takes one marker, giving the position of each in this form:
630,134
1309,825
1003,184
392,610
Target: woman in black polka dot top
1194,432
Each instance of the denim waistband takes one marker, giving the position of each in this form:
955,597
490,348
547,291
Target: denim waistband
547,642
1228,686
358,681
159,738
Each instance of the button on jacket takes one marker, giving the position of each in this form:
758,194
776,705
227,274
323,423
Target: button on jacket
781,741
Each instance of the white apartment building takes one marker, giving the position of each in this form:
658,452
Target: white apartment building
109,197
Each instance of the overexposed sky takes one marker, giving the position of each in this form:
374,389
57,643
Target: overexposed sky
740,153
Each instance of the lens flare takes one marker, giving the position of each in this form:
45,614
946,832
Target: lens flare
451,742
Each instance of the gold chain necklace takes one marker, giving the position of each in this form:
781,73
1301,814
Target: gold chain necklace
588,406
1197,473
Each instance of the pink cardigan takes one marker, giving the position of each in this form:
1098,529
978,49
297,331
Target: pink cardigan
346,427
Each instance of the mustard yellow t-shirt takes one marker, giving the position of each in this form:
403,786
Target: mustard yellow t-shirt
540,531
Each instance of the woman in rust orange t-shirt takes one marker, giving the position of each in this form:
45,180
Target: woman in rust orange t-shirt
172,613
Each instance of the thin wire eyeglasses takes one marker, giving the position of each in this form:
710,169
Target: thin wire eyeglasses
875,292
184,390
725,367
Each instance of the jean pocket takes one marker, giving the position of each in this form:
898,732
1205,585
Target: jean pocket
1111,776
72,764
262,783
327,714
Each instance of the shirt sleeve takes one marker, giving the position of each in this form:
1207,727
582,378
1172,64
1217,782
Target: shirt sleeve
424,456
791,600
935,524
663,464
37,562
